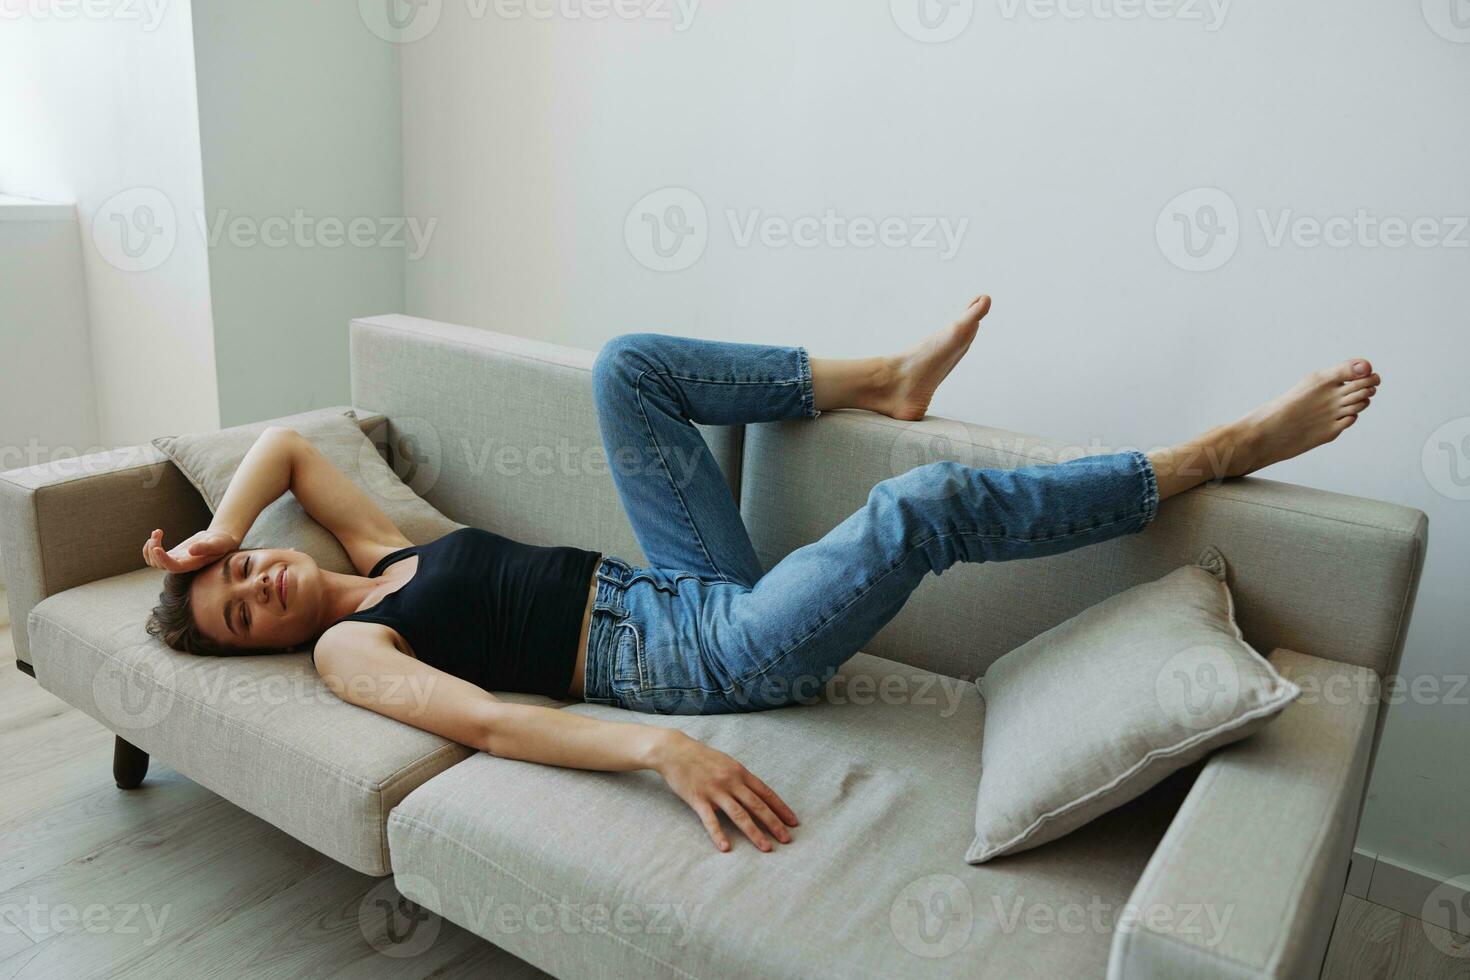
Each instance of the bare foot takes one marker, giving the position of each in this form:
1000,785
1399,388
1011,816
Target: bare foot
919,372
1320,408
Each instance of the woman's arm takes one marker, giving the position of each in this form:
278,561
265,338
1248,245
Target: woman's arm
359,662
262,476
282,459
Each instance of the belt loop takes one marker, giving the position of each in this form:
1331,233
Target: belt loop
612,583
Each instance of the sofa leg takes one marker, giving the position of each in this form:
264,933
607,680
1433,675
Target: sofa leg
129,764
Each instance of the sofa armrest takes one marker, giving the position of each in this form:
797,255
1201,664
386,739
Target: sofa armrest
71,521
1248,878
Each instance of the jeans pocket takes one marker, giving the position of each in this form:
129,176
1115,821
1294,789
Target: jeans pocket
627,659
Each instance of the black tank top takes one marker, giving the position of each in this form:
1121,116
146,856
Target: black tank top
490,610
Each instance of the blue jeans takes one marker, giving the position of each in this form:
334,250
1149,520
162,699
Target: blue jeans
704,629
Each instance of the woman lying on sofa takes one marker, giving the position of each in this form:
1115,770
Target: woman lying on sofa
703,628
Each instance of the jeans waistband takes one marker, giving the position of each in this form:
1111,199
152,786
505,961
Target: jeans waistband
608,609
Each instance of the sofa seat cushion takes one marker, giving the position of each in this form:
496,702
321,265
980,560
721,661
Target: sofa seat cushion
609,874
261,731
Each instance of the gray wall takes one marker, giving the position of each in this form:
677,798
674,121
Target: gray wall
1064,141
299,125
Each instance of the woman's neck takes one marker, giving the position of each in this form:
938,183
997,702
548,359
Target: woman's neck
342,594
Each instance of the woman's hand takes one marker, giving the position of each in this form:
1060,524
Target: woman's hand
192,553
710,781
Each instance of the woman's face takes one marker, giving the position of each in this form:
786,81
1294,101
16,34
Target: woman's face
265,598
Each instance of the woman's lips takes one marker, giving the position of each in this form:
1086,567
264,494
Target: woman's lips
281,587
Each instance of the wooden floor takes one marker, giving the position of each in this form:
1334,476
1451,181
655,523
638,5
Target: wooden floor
170,880
1371,942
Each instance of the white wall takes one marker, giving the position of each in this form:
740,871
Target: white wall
46,347
1061,139
99,110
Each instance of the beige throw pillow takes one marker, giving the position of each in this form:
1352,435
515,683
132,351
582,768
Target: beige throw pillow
210,459
1097,710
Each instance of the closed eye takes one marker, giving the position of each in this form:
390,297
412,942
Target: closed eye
244,614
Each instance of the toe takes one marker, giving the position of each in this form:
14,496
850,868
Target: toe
1357,384
1346,371
1361,394
1353,408
1342,424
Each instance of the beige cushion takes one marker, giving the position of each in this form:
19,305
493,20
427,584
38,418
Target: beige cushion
1094,711
209,460
588,874
263,731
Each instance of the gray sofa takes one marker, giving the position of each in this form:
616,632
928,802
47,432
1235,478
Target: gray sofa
1233,868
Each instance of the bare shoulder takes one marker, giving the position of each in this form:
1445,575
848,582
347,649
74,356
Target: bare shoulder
357,640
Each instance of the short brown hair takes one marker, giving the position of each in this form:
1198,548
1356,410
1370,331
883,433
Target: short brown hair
172,620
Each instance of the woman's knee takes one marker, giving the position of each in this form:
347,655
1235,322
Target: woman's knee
622,360
929,481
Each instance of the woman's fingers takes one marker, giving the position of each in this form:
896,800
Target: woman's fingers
169,562
743,820
757,807
711,824
787,815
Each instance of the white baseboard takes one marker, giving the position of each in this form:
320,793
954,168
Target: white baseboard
1411,891
1360,873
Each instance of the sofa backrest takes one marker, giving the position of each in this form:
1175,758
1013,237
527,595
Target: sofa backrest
500,432
1317,572
504,437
